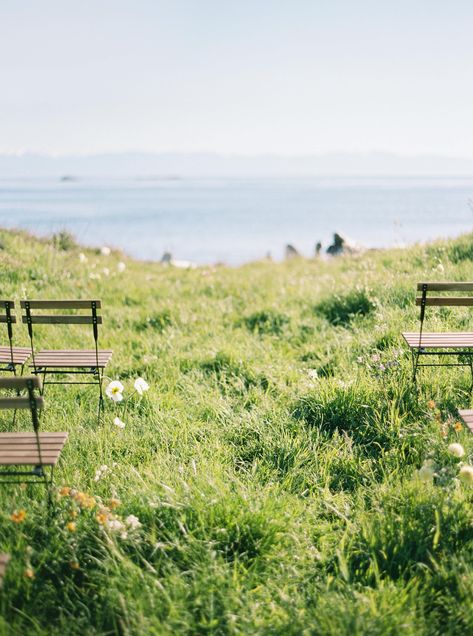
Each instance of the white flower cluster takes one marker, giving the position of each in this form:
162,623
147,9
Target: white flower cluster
427,471
123,527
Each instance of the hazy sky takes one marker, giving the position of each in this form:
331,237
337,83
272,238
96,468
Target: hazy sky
236,76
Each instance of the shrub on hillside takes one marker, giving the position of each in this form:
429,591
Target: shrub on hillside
267,321
341,309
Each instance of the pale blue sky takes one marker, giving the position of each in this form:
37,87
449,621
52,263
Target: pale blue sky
236,76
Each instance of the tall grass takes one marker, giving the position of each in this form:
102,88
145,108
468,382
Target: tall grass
272,465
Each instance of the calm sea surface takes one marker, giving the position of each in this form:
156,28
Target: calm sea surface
238,220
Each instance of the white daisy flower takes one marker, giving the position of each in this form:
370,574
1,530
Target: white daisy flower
82,258
115,390
121,267
115,525
456,450
466,474
105,251
132,522
118,422
141,386
427,471
106,271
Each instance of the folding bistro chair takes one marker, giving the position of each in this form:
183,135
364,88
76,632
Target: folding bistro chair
11,357
4,558
61,362
422,343
27,457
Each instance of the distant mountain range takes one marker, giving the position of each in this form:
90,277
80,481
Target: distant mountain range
176,165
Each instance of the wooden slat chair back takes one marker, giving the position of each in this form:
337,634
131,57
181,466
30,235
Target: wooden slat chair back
68,362
27,456
11,356
4,558
422,343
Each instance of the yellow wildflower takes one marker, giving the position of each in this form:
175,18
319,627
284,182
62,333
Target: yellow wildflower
29,573
71,526
65,491
457,426
18,516
102,517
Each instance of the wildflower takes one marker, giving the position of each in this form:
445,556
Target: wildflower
456,450
121,267
360,359
312,373
94,276
427,471
102,517
431,405
65,491
29,573
74,565
84,500
71,526
105,251
141,386
114,390
466,474
101,472
133,522
118,422
375,357
457,426
82,258
115,525
114,503
18,516
106,271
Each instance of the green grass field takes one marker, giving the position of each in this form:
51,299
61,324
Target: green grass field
272,465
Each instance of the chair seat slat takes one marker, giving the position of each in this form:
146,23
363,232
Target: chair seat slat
440,340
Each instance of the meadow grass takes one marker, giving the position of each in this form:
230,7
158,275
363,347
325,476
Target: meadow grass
272,464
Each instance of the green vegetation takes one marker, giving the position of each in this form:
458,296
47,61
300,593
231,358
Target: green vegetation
273,464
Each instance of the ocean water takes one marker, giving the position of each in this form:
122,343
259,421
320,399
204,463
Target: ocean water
239,220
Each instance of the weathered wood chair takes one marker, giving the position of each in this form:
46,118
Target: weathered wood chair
60,362
467,417
27,457
11,357
4,558
422,343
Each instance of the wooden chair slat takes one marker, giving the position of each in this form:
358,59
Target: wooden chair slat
20,382
24,450
62,320
433,340
446,286
4,318
467,416
3,303
61,304
20,355
447,301
4,558
20,403
21,435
